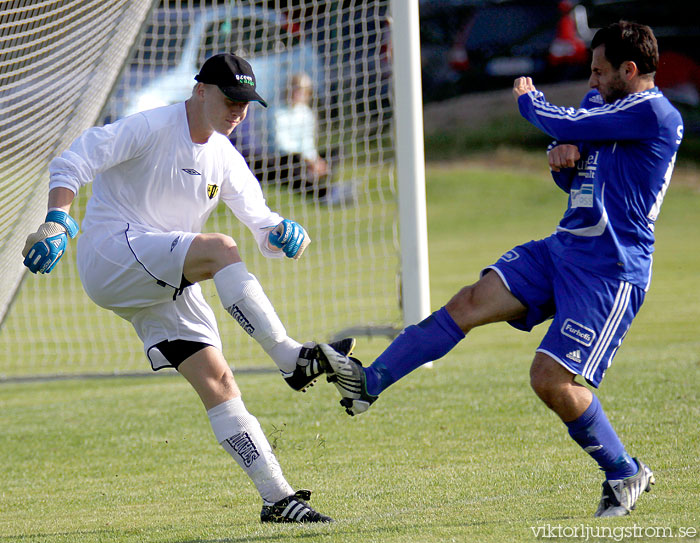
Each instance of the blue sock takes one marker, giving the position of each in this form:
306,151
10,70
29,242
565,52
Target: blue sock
594,433
417,344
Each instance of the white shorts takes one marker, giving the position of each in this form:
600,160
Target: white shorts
137,273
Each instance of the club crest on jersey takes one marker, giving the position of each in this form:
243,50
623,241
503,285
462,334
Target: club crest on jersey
191,171
212,191
578,332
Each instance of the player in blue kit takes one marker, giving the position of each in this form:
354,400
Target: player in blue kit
614,157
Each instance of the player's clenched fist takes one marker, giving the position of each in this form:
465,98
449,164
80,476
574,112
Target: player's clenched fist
522,85
45,247
291,237
563,156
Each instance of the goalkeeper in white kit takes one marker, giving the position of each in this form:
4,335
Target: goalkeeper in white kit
157,177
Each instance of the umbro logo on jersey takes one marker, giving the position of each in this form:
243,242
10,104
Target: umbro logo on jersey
191,171
575,356
212,191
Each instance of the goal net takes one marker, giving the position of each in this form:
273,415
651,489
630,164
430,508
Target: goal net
66,65
59,59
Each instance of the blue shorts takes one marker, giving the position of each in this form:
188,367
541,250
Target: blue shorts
591,313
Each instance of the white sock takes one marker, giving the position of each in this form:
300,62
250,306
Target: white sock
240,434
244,299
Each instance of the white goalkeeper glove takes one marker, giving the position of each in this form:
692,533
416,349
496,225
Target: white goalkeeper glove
45,247
291,237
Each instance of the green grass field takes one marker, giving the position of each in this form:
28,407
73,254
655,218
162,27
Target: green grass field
463,452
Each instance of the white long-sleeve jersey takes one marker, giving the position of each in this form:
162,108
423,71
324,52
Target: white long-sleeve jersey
147,172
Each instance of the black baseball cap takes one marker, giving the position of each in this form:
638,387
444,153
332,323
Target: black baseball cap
232,75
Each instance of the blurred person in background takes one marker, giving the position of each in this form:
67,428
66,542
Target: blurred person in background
295,136
297,161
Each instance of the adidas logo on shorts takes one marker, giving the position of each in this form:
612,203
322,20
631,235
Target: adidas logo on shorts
575,356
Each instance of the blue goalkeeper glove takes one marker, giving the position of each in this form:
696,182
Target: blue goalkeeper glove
45,247
291,237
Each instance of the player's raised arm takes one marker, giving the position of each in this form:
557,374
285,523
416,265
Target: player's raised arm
560,156
627,95
522,85
630,118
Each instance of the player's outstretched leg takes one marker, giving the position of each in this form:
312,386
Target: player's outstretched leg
417,344
292,509
620,495
348,375
243,297
308,368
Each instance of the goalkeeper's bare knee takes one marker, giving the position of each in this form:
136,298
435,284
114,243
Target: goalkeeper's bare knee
208,254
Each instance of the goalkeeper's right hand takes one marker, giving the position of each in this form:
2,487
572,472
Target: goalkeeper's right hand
44,247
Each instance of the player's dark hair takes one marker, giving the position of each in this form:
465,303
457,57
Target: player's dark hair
626,41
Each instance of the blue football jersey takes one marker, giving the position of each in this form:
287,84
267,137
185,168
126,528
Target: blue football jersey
628,150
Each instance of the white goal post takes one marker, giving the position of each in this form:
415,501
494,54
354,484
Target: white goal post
410,162
366,269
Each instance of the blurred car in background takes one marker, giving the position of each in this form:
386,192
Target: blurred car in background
480,45
177,43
